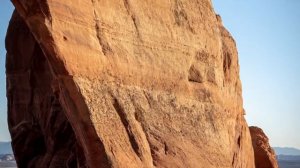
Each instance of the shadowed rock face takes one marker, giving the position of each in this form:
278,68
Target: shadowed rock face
264,155
39,128
124,83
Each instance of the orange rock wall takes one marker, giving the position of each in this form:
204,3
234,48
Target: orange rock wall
141,83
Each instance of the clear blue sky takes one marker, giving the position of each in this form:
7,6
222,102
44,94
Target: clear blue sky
5,13
268,38
267,33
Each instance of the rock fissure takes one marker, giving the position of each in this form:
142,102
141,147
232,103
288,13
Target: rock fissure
102,42
133,17
124,119
181,17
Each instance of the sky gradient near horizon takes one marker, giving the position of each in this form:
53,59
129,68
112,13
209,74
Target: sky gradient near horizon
267,35
6,9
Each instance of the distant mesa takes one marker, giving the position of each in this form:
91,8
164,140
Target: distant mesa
287,157
5,148
286,151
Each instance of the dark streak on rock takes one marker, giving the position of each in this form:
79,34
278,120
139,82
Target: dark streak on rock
106,49
181,17
132,15
121,112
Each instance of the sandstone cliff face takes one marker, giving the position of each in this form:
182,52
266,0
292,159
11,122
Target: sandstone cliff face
264,155
124,83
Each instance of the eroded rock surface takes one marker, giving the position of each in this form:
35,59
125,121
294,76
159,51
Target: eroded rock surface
265,156
124,83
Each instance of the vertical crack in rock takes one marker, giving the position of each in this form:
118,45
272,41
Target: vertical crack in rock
133,16
239,141
147,96
125,121
226,63
181,17
104,45
166,148
233,160
75,106
142,133
237,145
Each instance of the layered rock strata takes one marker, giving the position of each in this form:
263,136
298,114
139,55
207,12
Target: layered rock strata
124,83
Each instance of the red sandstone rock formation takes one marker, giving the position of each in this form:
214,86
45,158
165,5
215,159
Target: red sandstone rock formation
124,83
264,155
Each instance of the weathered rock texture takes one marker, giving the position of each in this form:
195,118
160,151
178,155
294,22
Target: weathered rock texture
124,83
265,156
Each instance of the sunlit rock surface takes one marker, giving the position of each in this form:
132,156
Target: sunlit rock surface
124,83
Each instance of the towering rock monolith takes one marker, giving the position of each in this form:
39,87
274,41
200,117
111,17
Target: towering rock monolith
124,83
